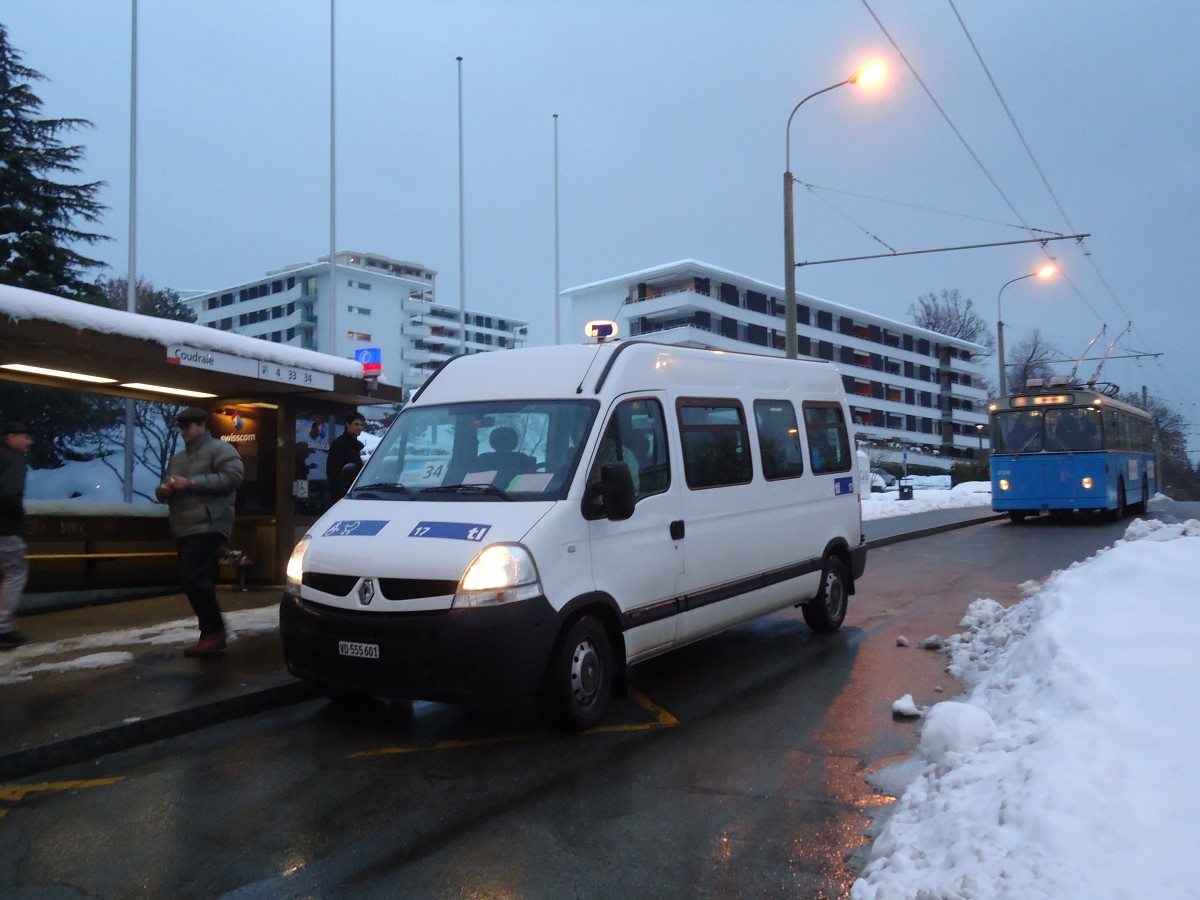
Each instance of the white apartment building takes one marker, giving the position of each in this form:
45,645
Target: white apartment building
377,302
908,386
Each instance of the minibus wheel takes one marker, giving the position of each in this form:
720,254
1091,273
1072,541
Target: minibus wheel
826,611
579,678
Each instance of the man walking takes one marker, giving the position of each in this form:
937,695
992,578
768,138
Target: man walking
200,487
14,569
344,450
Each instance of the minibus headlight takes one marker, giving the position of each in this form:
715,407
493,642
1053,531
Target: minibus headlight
1004,485
1087,484
501,573
295,566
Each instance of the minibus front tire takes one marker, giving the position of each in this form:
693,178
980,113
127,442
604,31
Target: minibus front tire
826,611
579,677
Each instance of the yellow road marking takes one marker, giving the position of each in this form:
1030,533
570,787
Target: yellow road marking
662,719
15,793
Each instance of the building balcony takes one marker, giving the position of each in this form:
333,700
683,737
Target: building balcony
415,303
417,330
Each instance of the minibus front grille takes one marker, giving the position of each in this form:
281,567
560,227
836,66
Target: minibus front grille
415,588
337,585
391,588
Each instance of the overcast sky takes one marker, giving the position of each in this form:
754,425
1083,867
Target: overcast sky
671,139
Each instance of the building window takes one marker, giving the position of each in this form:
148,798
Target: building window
357,336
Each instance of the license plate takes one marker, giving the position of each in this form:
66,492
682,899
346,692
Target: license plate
361,651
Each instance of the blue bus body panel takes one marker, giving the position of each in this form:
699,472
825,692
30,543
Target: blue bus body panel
1044,481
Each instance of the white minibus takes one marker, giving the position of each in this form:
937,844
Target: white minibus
536,521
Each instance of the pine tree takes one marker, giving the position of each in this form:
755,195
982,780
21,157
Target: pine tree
38,230
38,214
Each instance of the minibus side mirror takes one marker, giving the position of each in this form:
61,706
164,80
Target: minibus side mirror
612,496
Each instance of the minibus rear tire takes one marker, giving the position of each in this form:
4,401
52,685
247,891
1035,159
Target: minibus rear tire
826,611
580,675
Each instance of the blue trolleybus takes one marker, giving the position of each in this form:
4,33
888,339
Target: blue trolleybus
1070,448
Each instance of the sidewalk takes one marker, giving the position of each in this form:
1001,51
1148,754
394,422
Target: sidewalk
105,678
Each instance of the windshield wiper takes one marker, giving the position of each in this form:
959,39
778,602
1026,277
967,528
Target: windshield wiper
489,489
385,487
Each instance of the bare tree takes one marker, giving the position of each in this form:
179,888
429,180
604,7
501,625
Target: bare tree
954,316
156,442
1030,358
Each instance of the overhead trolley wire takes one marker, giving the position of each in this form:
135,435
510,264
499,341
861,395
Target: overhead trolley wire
1088,255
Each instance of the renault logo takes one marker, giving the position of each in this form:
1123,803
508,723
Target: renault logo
366,592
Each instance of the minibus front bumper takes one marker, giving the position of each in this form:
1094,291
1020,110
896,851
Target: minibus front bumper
456,655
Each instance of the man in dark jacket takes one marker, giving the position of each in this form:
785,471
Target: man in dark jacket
346,449
14,568
200,487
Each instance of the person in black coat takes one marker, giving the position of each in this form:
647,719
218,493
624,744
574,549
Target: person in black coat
346,449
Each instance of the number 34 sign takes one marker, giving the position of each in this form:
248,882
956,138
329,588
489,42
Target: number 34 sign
270,371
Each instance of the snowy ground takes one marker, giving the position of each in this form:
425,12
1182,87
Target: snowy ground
1062,773
931,492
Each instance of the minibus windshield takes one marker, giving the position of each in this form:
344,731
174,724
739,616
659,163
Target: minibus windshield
518,450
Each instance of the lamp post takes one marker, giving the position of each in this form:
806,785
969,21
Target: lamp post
1044,272
979,431
869,75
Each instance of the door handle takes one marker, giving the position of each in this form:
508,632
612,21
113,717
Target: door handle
677,530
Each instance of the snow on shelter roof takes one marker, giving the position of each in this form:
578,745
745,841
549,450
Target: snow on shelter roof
19,304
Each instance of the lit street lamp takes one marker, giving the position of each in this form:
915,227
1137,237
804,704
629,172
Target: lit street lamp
868,75
1044,272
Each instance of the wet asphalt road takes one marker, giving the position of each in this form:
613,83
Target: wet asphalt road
735,768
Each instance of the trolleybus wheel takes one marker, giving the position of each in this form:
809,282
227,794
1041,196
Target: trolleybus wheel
1017,516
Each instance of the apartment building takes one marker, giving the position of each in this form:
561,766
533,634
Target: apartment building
366,300
908,386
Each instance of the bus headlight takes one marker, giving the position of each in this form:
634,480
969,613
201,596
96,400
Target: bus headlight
501,573
295,566
1087,483
1003,483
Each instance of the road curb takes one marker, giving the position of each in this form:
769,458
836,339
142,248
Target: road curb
31,760
933,529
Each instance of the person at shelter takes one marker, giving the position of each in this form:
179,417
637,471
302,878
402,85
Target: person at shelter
344,450
14,568
199,489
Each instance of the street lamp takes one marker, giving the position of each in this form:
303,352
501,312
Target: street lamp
979,431
1044,272
868,75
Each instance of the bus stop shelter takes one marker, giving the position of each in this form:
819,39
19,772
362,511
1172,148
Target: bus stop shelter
275,403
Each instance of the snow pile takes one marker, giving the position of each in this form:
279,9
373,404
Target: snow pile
1065,772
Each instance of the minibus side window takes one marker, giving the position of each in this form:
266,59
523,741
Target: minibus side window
828,440
637,429
716,442
778,439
